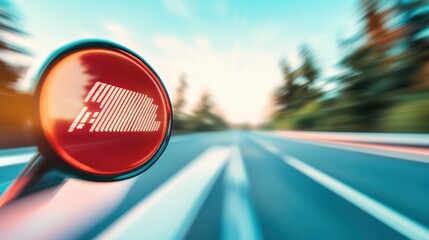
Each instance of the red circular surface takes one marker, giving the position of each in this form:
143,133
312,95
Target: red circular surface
103,111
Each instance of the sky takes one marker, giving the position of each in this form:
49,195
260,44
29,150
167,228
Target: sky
231,49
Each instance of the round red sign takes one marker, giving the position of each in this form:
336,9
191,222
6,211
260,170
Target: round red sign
103,110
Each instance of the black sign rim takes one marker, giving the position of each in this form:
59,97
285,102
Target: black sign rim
42,141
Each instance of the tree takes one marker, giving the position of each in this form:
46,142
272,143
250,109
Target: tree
368,80
384,68
294,94
284,94
9,74
204,117
308,70
414,21
179,115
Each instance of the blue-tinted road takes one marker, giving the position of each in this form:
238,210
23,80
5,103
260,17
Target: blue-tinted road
237,185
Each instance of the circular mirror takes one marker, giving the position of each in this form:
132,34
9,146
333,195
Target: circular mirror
102,110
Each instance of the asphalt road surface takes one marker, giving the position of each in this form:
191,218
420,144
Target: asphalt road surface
234,185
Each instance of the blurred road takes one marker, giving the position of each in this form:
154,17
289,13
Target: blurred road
248,185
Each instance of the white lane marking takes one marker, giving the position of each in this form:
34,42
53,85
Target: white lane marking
168,212
16,159
268,147
401,223
239,219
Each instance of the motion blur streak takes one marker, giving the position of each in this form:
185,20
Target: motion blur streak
397,221
169,211
379,145
379,138
42,214
412,150
211,185
16,156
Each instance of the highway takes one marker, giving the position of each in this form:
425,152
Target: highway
235,185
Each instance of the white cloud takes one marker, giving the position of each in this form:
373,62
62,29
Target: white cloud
240,79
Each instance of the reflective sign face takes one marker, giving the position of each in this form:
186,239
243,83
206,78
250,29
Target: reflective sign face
103,110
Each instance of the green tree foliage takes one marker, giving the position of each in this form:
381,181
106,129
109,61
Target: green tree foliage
308,70
384,67
385,73
297,88
364,85
414,41
284,95
298,85
205,117
406,116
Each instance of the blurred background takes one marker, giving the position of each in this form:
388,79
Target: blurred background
340,65
382,81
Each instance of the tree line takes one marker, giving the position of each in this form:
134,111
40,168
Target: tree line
204,115
383,84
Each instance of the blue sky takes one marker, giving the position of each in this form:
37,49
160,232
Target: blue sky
229,48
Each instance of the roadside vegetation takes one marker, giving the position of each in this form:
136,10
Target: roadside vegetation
204,115
383,84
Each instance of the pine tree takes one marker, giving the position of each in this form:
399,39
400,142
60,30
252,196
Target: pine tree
179,115
205,117
293,94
